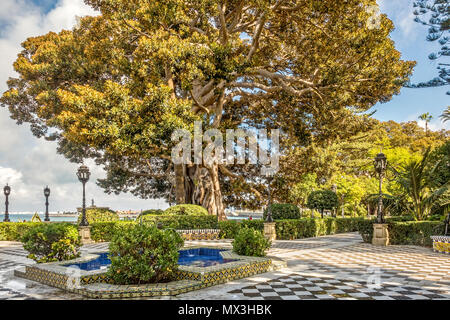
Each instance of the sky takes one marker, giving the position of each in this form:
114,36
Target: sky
28,164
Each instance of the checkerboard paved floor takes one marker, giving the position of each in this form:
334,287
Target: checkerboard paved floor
296,286
331,267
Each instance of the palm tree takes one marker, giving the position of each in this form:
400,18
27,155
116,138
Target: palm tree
427,118
414,179
446,115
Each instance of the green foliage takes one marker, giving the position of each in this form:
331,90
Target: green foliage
439,165
392,205
179,67
250,242
186,209
182,222
404,232
445,116
307,228
144,254
299,192
230,228
104,231
152,212
99,215
14,231
283,211
365,229
322,200
417,180
52,242
414,232
351,190
293,228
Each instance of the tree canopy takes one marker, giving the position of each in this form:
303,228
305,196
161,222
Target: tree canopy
116,86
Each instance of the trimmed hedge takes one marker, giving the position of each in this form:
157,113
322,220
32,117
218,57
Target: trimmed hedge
307,228
14,231
152,212
182,222
405,232
104,231
99,215
229,228
293,228
186,210
283,211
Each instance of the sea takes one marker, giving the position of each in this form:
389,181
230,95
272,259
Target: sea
20,217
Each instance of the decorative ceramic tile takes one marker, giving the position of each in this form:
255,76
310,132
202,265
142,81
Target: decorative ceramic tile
97,284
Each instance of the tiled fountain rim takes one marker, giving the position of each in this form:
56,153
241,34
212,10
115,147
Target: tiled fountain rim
95,282
61,267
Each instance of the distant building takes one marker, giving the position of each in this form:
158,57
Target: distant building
93,206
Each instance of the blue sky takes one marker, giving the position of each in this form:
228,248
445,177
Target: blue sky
29,164
409,38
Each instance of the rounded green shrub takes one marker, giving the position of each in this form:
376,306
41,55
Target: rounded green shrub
144,254
322,200
250,242
283,211
229,228
99,215
180,221
52,242
152,212
104,231
186,209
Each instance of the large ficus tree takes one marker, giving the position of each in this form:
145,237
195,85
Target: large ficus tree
116,86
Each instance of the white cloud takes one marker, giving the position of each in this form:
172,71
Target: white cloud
10,175
435,124
29,164
401,11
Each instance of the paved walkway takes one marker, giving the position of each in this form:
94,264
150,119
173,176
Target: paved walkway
334,267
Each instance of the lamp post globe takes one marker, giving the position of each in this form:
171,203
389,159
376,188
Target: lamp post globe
380,164
83,175
7,192
46,194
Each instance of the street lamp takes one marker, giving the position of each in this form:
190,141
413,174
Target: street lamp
83,175
269,206
6,191
380,164
46,194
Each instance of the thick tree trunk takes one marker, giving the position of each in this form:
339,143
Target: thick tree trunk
199,185
179,184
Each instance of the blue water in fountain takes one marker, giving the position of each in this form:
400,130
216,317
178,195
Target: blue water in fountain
198,257
201,257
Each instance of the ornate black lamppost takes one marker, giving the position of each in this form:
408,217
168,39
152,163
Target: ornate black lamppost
46,194
380,164
6,191
269,206
83,175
